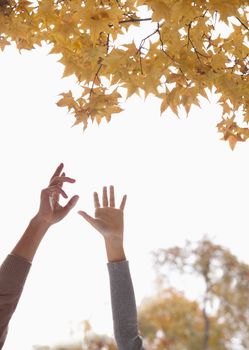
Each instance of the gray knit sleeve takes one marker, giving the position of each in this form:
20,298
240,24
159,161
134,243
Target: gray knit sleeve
13,274
124,310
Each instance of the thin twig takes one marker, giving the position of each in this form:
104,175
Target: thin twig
201,16
141,47
135,20
166,53
162,44
107,43
94,79
198,54
141,67
243,24
143,41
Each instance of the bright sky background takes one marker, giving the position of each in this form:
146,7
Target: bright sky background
181,181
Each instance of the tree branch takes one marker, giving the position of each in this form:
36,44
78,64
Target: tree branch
135,20
147,37
206,320
166,54
198,54
94,79
141,66
162,44
141,47
243,24
107,43
206,329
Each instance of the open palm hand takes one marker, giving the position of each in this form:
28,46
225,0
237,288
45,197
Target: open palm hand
108,220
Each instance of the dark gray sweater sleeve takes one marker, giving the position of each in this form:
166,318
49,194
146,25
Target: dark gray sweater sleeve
13,274
124,311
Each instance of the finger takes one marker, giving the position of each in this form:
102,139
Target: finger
122,205
57,171
96,200
59,180
71,203
55,198
88,218
112,197
104,197
54,190
60,183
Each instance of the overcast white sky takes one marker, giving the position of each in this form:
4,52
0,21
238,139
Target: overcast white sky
181,181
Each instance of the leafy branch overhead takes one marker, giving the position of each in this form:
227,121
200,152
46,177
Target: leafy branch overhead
184,56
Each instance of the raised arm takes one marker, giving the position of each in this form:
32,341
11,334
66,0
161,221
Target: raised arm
15,268
109,222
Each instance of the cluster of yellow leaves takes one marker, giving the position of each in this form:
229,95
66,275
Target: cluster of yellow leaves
96,105
185,54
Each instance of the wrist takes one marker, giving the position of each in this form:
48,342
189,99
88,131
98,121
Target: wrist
39,224
30,240
115,251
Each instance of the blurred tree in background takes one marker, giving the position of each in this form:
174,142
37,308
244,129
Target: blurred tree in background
225,286
90,341
169,321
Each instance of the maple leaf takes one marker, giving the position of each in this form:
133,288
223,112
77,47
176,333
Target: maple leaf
67,100
164,104
232,141
3,42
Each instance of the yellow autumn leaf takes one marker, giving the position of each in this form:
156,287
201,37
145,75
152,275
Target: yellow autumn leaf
232,141
67,100
3,42
164,104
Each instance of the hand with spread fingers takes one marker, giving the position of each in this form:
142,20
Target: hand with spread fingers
50,210
109,222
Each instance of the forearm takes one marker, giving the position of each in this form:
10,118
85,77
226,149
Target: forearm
14,270
123,301
31,239
13,274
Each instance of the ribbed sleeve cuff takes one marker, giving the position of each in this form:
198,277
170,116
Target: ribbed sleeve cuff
118,266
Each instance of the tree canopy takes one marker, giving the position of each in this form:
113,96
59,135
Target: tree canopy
191,48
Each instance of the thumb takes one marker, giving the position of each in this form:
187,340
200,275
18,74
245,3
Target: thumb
88,218
71,203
